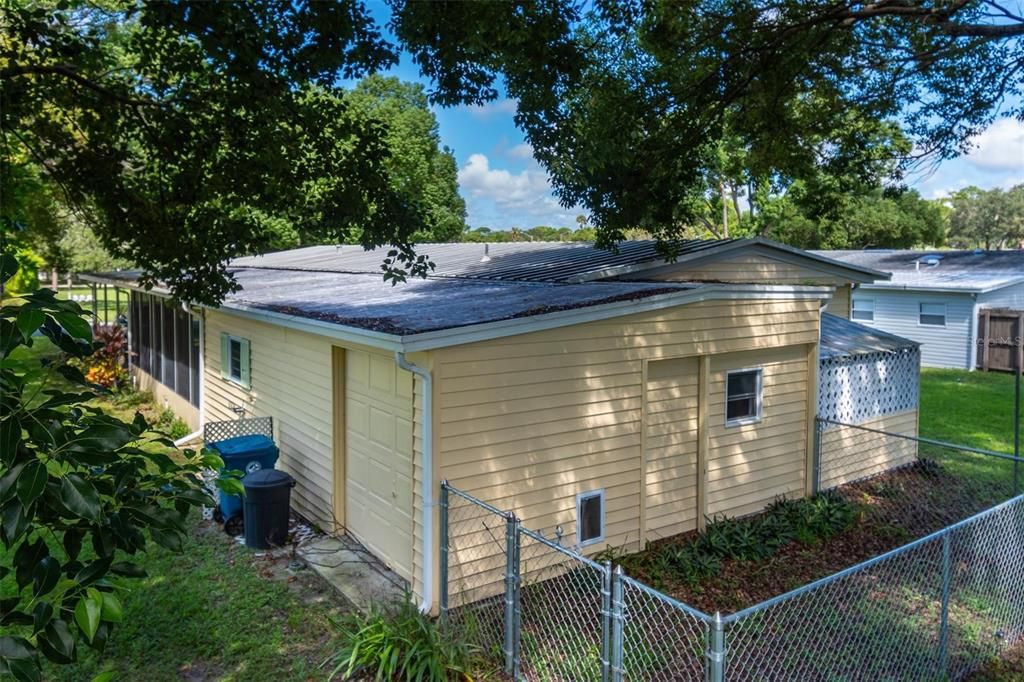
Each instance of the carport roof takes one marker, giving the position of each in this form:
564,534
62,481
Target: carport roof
840,337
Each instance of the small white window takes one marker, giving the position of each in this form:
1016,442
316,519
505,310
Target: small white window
743,397
863,309
932,314
590,517
234,359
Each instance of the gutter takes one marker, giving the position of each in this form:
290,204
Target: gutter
427,492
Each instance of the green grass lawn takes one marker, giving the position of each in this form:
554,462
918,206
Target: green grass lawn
973,409
217,612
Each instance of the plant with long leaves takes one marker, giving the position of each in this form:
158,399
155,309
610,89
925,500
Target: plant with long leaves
81,492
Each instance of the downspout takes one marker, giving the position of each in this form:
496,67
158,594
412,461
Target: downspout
428,479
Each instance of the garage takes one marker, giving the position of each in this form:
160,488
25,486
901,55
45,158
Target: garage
378,458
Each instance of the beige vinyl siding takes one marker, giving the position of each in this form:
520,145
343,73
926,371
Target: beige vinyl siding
849,454
291,382
528,422
670,446
167,398
840,303
749,269
749,465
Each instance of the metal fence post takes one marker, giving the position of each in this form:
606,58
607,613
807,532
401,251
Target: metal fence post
944,617
606,621
714,671
816,483
511,595
444,550
618,625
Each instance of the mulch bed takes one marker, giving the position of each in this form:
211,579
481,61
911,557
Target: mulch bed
894,508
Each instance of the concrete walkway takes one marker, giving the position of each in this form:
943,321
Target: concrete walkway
352,570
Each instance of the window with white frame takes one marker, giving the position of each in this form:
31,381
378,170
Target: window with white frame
743,396
234,360
932,314
863,309
590,517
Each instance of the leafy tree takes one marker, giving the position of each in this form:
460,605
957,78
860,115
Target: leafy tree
879,219
80,493
627,104
198,130
987,218
195,130
418,165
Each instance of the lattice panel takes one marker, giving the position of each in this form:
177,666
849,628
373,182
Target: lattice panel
214,432
853,389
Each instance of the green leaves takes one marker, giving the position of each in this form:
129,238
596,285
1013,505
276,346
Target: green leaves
74,477
80,497
87,613
45,576
29,320
8,266
75,325
31,482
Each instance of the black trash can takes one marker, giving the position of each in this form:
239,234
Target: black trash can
267,496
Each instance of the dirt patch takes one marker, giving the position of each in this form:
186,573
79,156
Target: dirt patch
279,565
1009,666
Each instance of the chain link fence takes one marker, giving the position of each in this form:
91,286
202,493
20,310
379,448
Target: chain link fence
934,608
908,486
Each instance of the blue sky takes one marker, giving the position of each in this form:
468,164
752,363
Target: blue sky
504,187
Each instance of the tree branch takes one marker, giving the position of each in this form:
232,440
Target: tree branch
71,72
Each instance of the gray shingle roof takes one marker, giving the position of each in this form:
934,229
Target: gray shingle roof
966,270
842,337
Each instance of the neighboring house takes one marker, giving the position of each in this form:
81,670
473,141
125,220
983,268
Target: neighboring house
557,380
934,297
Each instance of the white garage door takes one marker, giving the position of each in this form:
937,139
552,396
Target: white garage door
378,467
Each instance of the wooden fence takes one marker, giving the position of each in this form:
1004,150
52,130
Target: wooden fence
1001,339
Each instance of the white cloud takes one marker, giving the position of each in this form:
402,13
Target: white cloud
999,147
521,151
500,198
499,107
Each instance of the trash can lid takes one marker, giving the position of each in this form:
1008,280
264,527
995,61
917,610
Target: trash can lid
267,478
243,445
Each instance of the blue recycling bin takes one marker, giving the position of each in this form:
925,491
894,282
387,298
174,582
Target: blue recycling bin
247,454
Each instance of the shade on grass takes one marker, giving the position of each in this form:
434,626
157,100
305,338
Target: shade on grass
209,614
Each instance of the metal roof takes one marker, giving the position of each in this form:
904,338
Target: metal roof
842,337
967,271
520,261
540,261
420,305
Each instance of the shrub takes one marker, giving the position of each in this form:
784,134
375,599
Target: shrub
172,425
806,520
398,642
105,367
26,278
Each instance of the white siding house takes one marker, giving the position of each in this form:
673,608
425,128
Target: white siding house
935,297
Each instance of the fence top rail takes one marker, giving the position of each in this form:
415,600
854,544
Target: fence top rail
564,550
821,582
686,608
922,439
469,498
